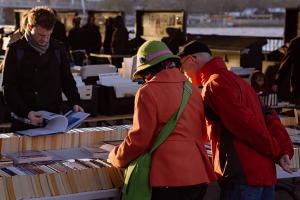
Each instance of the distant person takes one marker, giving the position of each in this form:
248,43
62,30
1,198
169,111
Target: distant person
74,37
1,50
20,31
109,29
287,80
135,43
36,72
1,42
258,82
59,31
246,138
91,36
76,43
174,40
119,42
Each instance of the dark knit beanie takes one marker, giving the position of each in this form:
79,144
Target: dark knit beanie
192,47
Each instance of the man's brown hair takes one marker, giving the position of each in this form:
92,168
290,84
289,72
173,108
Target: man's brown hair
42,16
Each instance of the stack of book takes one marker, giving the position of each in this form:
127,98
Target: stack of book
296,157
5,161
58,178
29,156
59,172
75,138
269,99
95,70
122,86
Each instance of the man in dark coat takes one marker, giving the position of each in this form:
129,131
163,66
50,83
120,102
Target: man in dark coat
119,43
59,30
36,72
91,35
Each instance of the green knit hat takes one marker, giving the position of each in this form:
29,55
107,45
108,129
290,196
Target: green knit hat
151,53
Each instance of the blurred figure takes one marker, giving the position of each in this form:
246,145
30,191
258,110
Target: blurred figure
287,78
74,38
20,31
258,82
1,42
119,42
76,44
59,31
91,36
109,29
135,43
174,40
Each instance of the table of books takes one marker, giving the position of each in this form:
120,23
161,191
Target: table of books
68,165
71,165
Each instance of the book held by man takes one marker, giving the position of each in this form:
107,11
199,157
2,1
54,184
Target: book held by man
56,123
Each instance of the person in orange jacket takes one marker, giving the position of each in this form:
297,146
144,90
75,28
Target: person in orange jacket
246,139
180,166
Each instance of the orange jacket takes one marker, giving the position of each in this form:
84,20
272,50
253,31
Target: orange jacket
182,159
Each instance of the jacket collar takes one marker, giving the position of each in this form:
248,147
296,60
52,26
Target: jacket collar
168,76
214,66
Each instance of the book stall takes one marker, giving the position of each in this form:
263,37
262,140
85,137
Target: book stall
62,165
73,164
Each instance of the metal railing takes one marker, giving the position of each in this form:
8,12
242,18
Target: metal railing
272,43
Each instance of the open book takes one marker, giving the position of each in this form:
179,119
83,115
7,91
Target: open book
56,123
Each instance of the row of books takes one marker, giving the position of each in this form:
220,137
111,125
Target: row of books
269,99
296,158
59,172
55,178
75,138
122,86
32,156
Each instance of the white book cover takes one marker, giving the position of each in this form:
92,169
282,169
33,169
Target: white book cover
56,123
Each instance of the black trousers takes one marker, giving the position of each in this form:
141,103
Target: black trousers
193,192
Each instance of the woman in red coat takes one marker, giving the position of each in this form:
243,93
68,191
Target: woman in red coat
180,166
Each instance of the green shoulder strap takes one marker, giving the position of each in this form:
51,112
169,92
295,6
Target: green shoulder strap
170,125
136,183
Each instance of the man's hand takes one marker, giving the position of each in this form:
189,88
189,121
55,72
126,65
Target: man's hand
35,118
77,108
285,164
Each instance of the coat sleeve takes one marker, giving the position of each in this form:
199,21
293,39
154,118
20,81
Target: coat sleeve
240,120
204,135
141,135
279,132
68,83
10,84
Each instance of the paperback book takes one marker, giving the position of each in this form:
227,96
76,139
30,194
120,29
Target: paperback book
29,156
56,123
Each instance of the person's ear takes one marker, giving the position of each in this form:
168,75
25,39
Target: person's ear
193,58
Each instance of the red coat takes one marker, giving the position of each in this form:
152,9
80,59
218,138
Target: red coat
182,159
244,150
